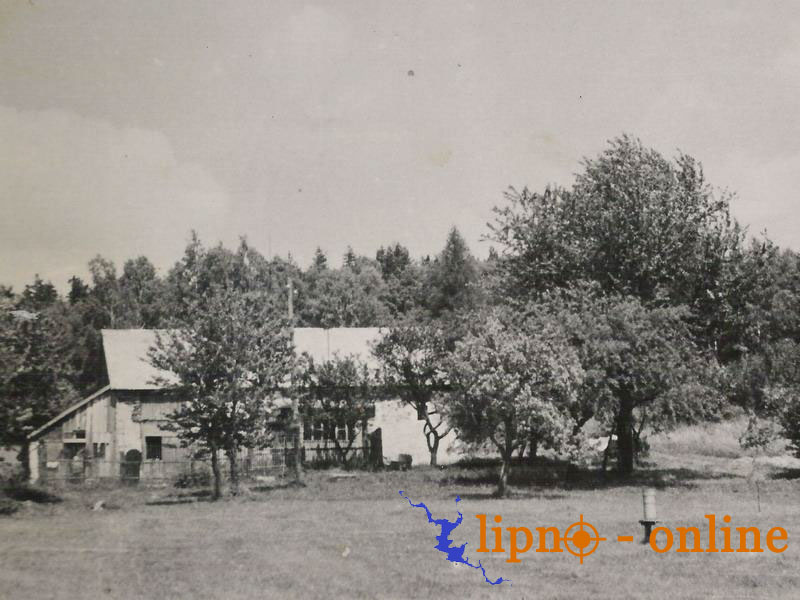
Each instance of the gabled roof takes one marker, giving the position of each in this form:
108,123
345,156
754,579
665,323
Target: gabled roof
129,369
68,411
126,358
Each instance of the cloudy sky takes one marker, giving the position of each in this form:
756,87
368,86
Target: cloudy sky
124,125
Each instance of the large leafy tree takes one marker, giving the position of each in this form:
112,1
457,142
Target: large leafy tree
135,299
347,297
35,373
230,351
642,367
413,359
511,379
142,293
636,223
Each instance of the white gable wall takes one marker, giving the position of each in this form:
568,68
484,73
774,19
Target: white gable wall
401,433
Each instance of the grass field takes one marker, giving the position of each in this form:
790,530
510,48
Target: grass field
359,539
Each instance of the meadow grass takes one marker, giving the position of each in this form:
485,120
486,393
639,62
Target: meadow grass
360,539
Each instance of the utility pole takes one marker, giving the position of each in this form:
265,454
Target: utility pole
296,421
290,285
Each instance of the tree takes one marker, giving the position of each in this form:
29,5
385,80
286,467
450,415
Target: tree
78,290
453,278
641,365
510,379
413,361
38,295
230,351
35,376
320,261
350,260
340,393
634,222
393,260
346,297
141,293
105,292
402,294
771,390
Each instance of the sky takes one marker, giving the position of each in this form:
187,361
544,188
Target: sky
125,125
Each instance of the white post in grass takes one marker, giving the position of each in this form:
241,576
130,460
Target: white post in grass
649,509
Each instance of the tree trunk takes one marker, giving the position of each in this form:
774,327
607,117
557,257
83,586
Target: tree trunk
215,471
434,449
298,441
533,451
607,452
625,449
432,438
505,469
24,460
234,471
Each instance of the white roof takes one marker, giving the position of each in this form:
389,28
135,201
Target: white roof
126,359
129,369
323,344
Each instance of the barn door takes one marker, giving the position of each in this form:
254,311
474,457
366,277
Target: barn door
376,449
131,466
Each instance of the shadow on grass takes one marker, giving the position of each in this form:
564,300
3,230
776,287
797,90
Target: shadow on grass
173,501
287,485
550,474
514,494
183,498
786,474
23,493
8,507
194,494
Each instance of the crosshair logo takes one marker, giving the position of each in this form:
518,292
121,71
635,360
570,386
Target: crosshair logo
582,539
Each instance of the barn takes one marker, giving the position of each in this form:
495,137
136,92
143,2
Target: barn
120,431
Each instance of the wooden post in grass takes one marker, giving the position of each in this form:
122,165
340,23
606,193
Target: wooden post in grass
649,508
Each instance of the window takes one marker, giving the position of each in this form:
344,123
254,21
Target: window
345,433
99,451
152,448
319,431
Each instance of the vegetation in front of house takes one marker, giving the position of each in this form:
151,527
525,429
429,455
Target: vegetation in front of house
631,300
230,350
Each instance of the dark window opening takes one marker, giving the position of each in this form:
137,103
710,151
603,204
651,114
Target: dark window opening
99,451
152,447
341,431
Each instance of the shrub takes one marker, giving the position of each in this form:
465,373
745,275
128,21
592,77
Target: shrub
23,492
192,479
8,507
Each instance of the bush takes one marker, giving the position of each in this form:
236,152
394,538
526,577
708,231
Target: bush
8,507
193,479
790,420
23,492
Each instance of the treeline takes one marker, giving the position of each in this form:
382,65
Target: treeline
352,291
631,299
